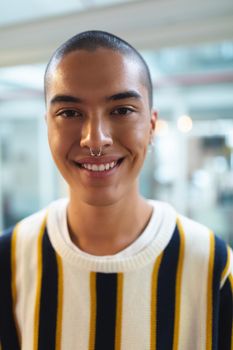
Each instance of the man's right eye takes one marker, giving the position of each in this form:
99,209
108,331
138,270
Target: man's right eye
69,113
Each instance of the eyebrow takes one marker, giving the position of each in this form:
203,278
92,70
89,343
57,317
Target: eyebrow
124,95
119,96
65,98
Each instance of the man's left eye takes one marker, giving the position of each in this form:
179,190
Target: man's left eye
69,113
122,111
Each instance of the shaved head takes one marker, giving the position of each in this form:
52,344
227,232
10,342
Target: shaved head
93,40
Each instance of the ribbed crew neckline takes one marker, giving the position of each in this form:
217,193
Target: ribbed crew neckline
162,222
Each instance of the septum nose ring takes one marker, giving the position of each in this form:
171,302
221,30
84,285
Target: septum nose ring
96,153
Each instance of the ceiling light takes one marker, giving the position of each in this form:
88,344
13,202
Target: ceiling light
184,123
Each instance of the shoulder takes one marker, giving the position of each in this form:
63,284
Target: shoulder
26,226
21,241
202,247
192,230
30,225
203,244
23,234
28,229
197,237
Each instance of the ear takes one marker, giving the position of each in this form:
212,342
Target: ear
153,119
45,117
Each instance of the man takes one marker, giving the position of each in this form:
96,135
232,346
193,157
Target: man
107,269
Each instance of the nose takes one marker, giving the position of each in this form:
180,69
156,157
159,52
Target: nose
96,134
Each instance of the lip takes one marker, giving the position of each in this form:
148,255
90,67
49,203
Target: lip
100,160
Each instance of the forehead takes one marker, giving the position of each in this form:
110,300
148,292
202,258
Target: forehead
96,72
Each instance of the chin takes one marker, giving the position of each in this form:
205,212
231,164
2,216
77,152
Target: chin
101,198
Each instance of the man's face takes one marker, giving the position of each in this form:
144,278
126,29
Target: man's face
98,100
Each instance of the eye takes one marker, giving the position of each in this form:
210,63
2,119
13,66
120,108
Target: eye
122,111
69,113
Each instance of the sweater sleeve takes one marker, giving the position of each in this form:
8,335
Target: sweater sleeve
225,334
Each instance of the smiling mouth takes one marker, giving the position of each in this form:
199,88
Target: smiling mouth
101,167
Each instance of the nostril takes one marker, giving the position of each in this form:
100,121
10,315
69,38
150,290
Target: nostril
95,143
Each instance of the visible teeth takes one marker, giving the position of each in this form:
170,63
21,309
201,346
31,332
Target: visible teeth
94,167
101,167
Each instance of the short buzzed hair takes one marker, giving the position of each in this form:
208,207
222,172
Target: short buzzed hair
92,40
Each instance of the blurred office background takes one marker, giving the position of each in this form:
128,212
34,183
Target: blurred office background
189,48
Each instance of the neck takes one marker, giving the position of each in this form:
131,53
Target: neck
109,229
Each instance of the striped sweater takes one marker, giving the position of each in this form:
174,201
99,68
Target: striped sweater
174,294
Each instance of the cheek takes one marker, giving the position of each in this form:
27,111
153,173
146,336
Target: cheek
60,138
137,137
53,138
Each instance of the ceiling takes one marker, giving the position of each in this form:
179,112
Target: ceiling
36,28
25,10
